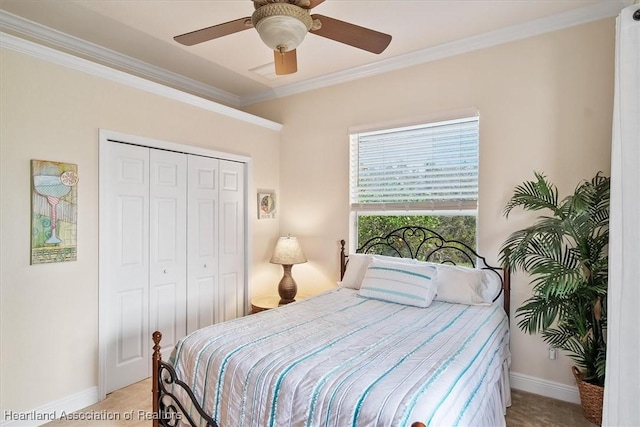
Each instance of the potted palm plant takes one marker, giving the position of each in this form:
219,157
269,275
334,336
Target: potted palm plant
566,254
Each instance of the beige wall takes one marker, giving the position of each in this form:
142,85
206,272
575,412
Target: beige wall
545,104
49,313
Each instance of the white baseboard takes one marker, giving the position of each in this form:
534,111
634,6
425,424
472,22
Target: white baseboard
546,388
50,411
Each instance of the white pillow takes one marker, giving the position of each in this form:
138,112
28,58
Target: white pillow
395,259
460,285
491,285
356,267
408,284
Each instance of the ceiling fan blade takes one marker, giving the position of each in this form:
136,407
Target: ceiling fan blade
286,62
353,35
210,33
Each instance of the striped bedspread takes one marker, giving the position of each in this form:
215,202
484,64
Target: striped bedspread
342,360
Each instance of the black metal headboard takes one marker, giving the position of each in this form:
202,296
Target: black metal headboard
427,245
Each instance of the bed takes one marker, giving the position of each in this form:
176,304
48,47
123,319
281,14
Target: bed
402,340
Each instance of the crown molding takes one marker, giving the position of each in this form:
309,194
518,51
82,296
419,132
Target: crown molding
76,46
594,12
40,33
36,50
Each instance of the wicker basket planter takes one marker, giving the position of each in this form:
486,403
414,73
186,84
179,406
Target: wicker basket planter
591,396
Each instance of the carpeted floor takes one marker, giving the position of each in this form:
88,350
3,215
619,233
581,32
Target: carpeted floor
533,410
131,407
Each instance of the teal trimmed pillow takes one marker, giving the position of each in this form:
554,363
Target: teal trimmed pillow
408,284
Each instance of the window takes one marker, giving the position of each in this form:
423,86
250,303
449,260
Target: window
416,175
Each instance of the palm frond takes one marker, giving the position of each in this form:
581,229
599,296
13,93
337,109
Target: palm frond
540,238
564,340
538,313
534,195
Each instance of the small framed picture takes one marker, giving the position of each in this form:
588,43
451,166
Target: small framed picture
266,204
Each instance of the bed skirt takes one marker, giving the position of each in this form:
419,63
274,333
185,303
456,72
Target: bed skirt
499,399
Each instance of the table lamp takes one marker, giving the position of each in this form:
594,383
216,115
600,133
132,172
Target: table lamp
287,253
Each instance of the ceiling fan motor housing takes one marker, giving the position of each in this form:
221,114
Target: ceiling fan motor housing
282,26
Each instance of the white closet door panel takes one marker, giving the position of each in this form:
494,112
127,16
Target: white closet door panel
167,243
165,313
205,213
166,231
127,264
130,317
204,312
202,237
231,293
132,211
231,227
232,211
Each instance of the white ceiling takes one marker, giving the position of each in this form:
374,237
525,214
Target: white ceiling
137,36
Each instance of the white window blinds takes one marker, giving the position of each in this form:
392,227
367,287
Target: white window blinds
425,167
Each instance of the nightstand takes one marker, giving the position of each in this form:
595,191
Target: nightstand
267,302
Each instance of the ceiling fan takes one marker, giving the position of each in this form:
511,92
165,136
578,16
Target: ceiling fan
283,24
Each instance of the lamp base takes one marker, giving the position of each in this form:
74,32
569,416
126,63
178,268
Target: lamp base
287,288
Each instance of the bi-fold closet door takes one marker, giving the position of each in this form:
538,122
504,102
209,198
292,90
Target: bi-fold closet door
215,241
175,243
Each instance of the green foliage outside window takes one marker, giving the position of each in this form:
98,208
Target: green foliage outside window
458,227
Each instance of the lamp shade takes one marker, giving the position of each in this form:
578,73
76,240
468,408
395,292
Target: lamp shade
288,252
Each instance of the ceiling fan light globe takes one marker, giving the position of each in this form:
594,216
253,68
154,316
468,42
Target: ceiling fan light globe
282,33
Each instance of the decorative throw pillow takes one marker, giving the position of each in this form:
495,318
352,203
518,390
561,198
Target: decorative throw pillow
408,284
460,285
356,267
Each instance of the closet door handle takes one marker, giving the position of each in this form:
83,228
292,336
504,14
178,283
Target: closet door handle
165,271
205,266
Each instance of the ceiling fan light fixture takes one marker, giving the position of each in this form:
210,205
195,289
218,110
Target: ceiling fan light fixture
282,26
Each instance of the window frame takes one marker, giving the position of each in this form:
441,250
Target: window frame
355,213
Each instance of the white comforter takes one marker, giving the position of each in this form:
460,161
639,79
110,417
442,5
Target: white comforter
342,360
